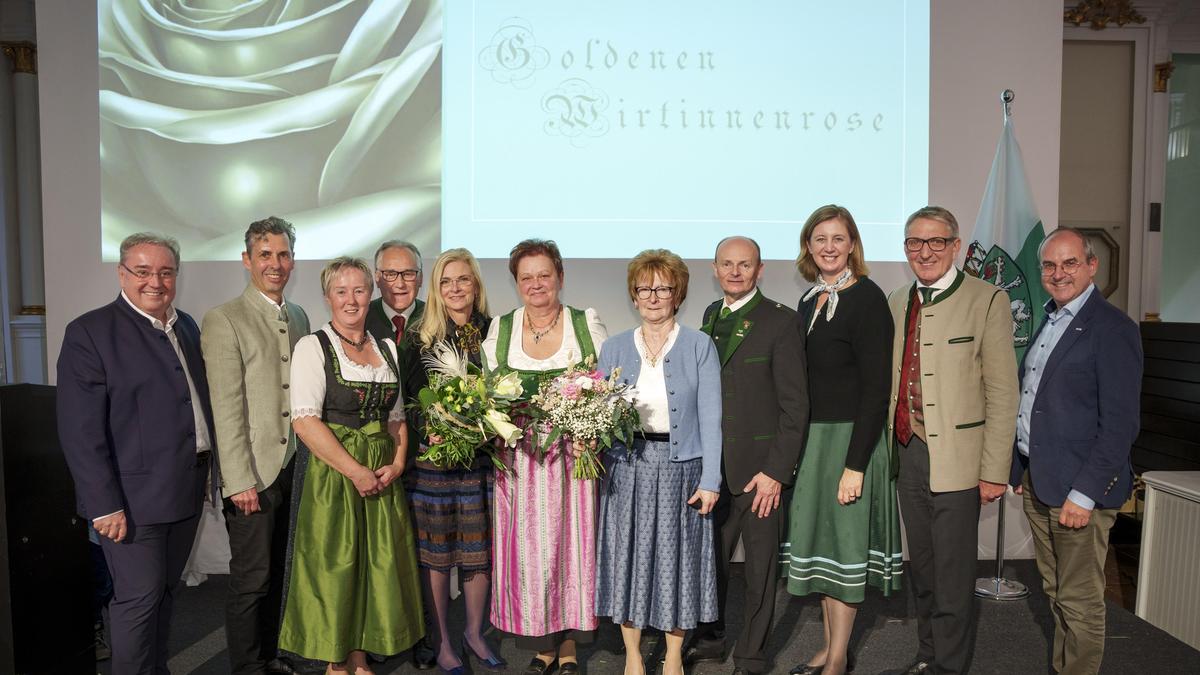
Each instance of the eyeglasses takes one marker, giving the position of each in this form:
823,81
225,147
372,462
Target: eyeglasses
457,282
936,244
1069,267
167,274
407,275
663,292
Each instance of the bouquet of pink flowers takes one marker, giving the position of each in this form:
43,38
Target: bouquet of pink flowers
587,408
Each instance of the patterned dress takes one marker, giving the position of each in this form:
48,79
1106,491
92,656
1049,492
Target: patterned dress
544,521
452,506
353,582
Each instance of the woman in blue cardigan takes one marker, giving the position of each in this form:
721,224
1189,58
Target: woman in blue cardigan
655,557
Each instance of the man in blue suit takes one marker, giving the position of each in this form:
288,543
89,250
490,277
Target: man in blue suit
134,422
1079,415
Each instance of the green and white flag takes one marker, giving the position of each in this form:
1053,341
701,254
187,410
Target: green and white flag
1007,234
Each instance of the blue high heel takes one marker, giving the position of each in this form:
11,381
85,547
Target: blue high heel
492,662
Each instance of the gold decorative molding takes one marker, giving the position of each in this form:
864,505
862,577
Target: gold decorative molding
1152,316
1099,13
33,310
1162,73
23,55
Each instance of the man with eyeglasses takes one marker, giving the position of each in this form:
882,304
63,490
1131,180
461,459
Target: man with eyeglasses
135,424
248,344
396,313
1078,418
764,417
951,421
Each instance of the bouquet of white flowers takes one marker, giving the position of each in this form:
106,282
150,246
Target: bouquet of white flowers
465,407
585,407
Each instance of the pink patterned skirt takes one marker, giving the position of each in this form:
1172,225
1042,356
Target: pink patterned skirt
544,545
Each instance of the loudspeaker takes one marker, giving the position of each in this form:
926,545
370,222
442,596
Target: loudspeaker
45,563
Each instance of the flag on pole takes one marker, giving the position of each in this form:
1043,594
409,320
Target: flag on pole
1007,234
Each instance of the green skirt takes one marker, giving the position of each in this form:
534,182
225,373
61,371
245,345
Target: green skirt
839,550
354,582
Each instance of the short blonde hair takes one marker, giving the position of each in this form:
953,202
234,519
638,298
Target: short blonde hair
857,260
333,267
665,264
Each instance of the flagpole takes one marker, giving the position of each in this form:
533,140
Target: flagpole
997,587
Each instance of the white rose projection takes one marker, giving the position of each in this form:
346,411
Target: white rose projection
216,113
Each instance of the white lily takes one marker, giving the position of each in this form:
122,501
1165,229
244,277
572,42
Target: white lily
506,430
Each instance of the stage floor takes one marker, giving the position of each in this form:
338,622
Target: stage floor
1013,637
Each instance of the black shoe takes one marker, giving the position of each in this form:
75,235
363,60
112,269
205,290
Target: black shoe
805,669
492,662
540,667
569,668
424,656
704,653
917,668
281,667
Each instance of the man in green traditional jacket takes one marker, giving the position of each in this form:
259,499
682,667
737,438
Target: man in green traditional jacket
764,417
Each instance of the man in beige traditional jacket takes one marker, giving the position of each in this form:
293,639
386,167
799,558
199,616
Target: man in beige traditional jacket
247,344
952,421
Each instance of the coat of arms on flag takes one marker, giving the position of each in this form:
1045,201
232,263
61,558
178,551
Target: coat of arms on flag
1007,234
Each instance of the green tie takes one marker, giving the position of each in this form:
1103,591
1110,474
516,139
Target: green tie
926,294
725,312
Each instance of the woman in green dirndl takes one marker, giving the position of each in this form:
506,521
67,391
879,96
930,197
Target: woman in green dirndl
353,586
844,528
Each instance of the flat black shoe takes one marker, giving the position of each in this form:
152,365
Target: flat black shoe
917,668
569,668
539,667
424,656
806,669
702,654
281,667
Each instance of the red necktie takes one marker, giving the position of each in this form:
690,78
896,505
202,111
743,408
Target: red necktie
398,322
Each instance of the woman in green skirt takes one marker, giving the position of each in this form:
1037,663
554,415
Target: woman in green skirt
353,586
844,530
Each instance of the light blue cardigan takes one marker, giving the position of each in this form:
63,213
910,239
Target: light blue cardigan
693,376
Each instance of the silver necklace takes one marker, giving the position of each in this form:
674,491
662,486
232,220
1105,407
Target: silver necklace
538,335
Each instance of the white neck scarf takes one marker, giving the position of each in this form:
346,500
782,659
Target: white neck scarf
832,289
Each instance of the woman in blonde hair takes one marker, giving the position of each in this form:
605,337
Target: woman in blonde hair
452,505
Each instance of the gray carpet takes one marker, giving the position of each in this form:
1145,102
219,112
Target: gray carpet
1013,637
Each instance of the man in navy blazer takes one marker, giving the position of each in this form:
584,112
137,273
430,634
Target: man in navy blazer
1079,415
135,425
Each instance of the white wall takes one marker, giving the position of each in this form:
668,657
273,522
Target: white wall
979,48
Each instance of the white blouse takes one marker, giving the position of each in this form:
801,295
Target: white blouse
568,352
651,401
308,374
